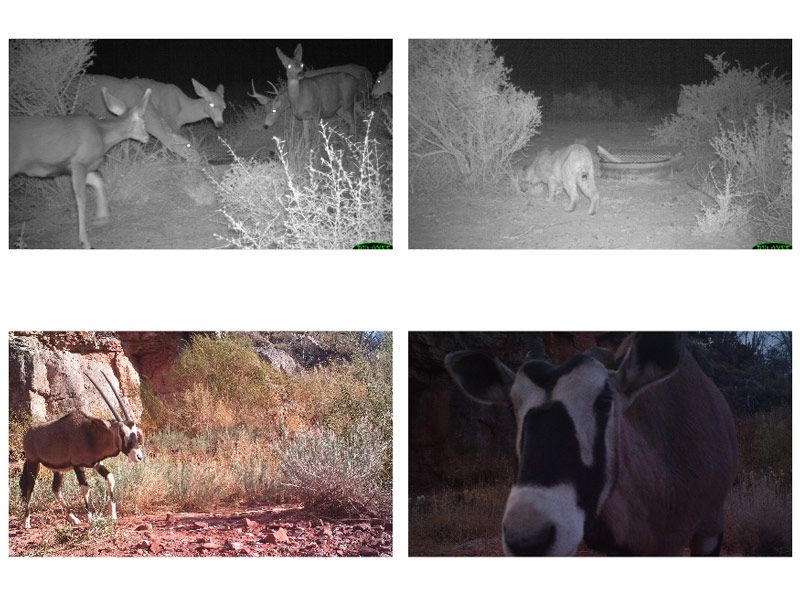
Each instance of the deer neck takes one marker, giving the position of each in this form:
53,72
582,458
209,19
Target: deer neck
113,131
192,110
293,89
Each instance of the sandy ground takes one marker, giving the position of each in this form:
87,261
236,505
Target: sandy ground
282,530
632,214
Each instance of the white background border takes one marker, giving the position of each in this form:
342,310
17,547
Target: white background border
399,291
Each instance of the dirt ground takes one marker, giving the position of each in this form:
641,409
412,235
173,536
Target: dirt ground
284,530
632,214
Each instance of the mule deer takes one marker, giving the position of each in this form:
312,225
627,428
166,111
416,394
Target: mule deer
637,460
170,109
77,441
318,97
75,145
383,84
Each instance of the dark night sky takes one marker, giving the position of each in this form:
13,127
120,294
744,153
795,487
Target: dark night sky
572,63
228,61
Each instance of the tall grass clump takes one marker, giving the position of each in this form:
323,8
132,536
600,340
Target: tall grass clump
43,75
463,106
335,199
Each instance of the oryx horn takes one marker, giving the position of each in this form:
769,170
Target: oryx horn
108,402
121,403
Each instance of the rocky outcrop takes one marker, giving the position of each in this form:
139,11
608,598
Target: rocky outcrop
48,373
453,440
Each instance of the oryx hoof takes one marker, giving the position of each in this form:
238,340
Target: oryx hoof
73,519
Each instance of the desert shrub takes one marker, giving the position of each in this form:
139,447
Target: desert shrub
754,160
759,517
730,98
462,105
341,473
333,200
44,74
594,102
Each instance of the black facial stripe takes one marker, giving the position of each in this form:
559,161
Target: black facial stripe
550,453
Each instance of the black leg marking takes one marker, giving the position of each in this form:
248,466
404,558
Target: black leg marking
81,475
58,479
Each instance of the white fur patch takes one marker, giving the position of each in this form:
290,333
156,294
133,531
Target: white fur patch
577,391
529,509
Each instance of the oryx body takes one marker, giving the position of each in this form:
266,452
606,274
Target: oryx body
634,461
74,442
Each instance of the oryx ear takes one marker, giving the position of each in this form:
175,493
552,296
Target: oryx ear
298,53
653,356
481,377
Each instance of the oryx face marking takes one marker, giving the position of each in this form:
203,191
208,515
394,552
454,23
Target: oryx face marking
562,444
132,442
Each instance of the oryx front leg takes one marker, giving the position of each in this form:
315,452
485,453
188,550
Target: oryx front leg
26,483
58,479
79,473
111,508
94,180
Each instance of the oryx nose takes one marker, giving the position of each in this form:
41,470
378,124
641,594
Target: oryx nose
531,543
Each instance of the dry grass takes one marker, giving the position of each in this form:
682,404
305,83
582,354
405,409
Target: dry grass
759,517
441,522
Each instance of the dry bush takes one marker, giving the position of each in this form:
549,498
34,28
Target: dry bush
759,517
594,102
44,74
765,444
754,160
333,200
708,108
462,105
341,473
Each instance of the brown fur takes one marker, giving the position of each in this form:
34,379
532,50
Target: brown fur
570,168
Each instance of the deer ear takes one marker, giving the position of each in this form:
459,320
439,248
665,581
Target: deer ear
298,53
114,105
283,58
221,89
199,88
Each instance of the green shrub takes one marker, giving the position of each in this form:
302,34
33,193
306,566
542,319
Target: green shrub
462,105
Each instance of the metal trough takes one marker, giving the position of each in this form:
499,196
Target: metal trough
651,163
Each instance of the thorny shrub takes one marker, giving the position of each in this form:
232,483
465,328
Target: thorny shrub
462,105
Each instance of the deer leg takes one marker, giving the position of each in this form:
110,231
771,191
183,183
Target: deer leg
111,509
348,117
58,479
81,475
94,180
26,483
79,188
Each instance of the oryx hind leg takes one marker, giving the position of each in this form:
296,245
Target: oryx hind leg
58,479
81,475
707,540
111,508
27,481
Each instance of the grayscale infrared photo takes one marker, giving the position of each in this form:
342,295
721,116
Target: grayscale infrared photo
600,143
600,443
145,143
182,443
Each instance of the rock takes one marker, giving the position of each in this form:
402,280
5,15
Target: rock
235,546
249,524
363,526
144,527
211,546
277,536
327,531
200,524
